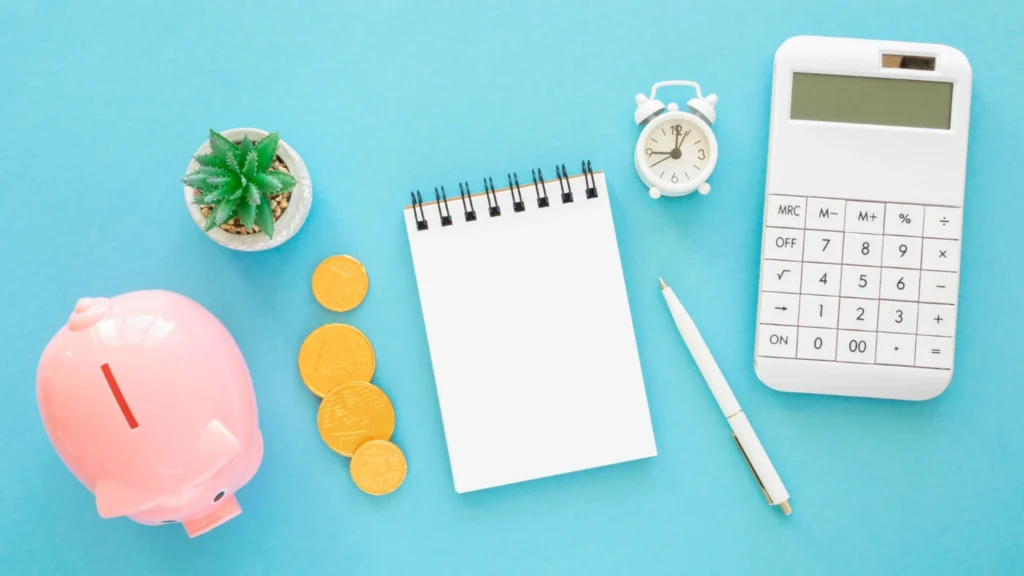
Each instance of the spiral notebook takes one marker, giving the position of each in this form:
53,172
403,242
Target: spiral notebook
529,329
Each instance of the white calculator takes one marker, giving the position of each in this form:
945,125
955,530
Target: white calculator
860,254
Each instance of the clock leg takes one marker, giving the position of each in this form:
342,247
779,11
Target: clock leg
655,193
704,188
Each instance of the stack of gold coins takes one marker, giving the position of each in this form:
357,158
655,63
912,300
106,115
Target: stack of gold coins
336,362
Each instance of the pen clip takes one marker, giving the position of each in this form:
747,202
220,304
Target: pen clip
760,484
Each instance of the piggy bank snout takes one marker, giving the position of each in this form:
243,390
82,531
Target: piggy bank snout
88,311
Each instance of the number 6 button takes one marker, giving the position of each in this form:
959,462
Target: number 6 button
900,284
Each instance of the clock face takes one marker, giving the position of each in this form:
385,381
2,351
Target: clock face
677,150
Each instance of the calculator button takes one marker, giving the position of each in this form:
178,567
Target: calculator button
941,222
901,252
865,217
855,346
900,284
934,352
821,279
860,281
783,244
779,308
858,314
825,214
786,211
819,311
781,276
862,249
936,320
938,287
823,246
816,344
941,255
776,341
897,317
904,219
895,349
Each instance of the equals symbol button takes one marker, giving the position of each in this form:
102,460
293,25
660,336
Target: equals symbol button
936,351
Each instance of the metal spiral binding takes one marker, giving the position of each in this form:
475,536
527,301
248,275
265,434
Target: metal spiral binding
470,212
515,191
566,189
542,202
588,177
446,219
494,210
517,205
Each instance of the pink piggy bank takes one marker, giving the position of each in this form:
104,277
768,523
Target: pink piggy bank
147,399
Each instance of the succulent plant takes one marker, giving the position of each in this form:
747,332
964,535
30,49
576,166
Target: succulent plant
237,180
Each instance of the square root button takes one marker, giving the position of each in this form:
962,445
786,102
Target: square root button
785,211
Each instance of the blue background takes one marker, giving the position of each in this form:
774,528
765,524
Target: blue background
102,105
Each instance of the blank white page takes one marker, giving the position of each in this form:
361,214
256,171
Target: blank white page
531,338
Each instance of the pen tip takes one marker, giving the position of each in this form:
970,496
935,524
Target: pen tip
662,282
786,508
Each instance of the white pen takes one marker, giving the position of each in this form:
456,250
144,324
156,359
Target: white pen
742,432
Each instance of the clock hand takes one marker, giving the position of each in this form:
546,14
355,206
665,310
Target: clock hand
656,152
683,139
676,147
660,161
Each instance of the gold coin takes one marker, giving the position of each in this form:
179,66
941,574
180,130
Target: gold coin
334,354
340,283
353,414
378,467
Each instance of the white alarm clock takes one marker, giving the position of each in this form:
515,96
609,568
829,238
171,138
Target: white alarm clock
677,151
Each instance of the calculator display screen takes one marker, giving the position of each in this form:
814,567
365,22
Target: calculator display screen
879,101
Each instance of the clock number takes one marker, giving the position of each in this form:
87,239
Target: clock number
677,130
865,248
899,316
861,315
649,152
675,178
903,250
701,155
863,280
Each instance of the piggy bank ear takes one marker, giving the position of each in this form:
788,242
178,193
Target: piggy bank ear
114,499
216,447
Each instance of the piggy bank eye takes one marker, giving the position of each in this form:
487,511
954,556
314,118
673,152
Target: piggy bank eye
218,496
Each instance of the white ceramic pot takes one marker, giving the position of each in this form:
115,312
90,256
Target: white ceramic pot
291,219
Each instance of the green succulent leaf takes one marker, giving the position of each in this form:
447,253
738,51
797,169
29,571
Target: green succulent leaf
221,146
243,149
210,161
266,183
207,177
247,214
224,210
286,180
249,168
266,150
252,194
232,162
265,217
238,193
